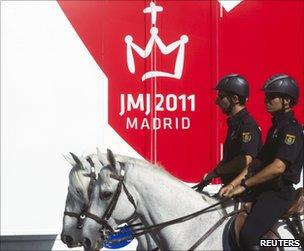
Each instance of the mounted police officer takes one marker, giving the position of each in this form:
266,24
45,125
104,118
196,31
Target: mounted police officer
271,176
243,138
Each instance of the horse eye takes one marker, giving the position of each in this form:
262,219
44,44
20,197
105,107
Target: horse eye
105,195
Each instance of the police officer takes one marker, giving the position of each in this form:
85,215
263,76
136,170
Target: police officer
243,138
278,166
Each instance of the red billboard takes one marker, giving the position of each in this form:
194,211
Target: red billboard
163,59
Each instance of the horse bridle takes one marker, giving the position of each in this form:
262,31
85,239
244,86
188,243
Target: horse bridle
82,215
106,229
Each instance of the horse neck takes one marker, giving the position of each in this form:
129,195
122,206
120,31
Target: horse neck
161,198
159,192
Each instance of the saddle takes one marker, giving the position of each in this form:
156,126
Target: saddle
297,206
295,211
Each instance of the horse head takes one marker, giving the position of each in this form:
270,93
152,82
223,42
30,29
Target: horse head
81,179
110,199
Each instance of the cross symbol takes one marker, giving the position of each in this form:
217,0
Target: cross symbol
153,9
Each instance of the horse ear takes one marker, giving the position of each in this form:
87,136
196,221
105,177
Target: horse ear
102,159
111,158
70,160
90,160
76,159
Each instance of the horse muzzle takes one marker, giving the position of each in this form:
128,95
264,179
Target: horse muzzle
68,240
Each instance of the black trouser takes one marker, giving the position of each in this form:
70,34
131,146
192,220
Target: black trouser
268,206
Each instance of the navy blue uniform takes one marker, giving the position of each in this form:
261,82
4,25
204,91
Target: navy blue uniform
273,198
243,138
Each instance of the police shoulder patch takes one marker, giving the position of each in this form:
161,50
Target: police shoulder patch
289,139
246,137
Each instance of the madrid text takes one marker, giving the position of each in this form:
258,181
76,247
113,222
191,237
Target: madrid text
154,105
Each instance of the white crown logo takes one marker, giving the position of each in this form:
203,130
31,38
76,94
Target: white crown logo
155,39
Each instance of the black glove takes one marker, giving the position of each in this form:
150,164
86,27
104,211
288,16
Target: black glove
199,187
204,182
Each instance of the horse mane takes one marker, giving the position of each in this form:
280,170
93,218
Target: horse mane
131,162
75,179
143,163
158,167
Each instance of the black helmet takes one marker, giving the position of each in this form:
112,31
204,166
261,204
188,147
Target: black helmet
283,84
234,83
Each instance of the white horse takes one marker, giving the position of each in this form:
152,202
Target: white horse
81,179
158,197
